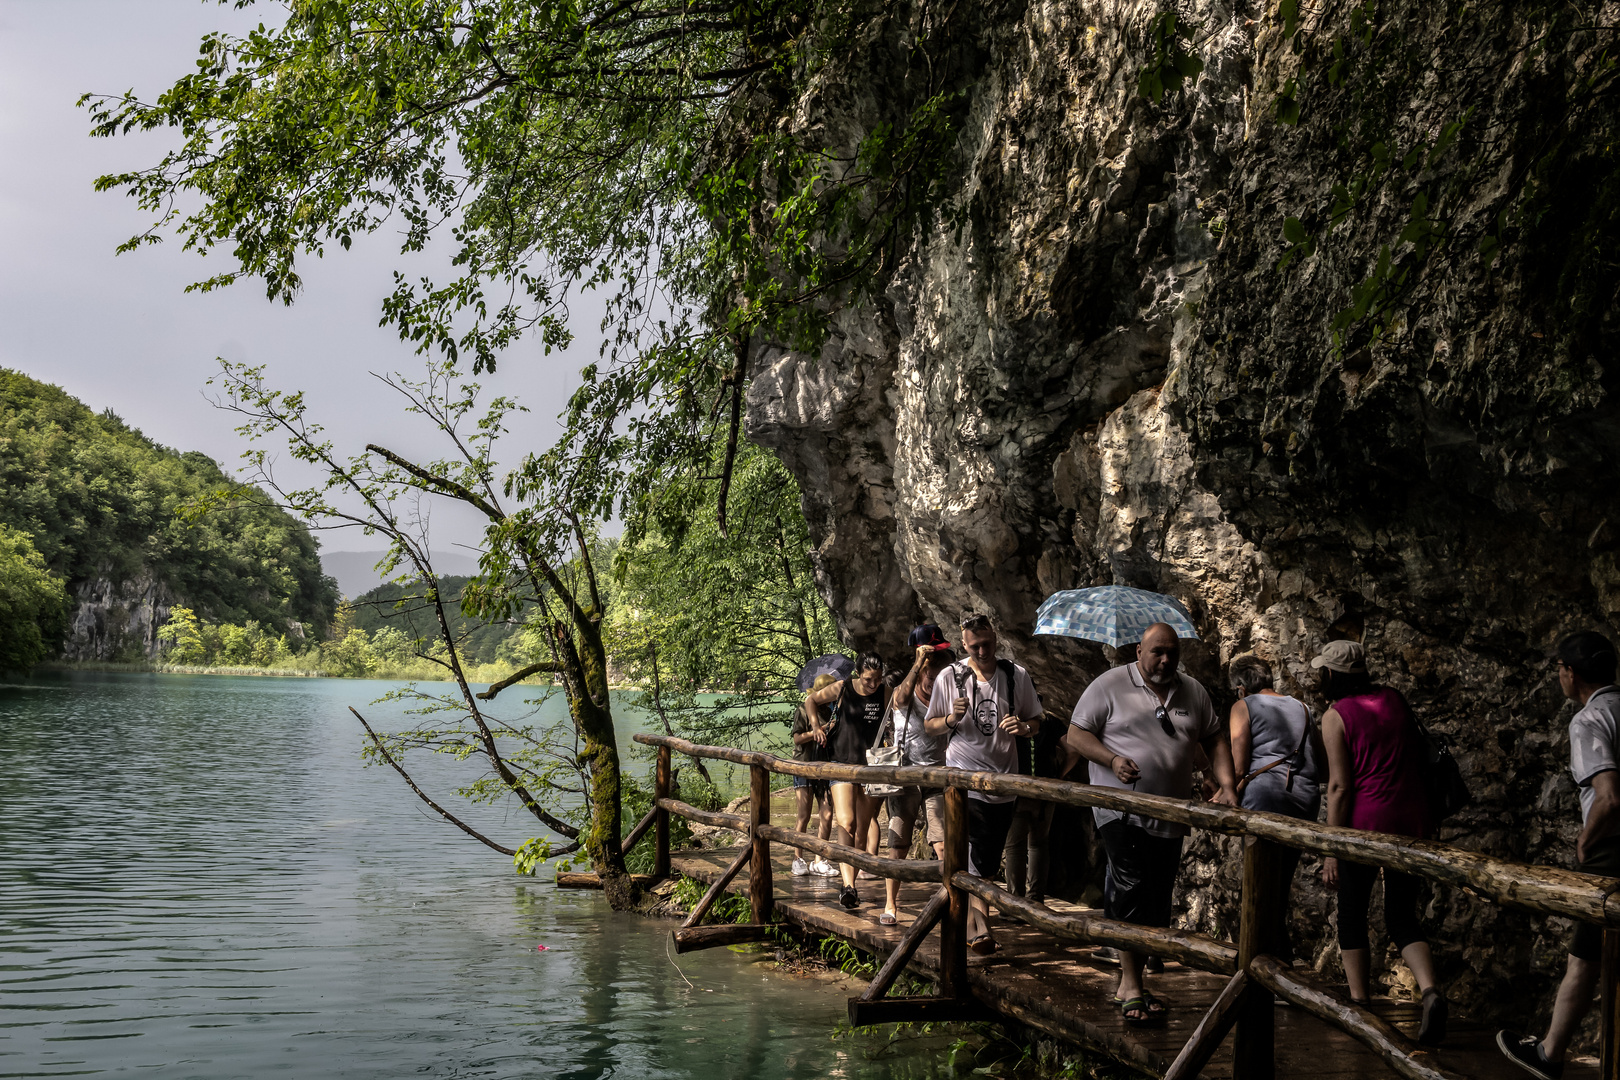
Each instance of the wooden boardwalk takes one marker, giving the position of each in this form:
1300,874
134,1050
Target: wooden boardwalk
1056,987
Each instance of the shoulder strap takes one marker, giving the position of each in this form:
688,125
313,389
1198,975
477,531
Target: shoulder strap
1007,669
1304,731
1287,759
883,727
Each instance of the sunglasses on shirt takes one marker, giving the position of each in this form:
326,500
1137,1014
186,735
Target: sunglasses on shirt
1162,714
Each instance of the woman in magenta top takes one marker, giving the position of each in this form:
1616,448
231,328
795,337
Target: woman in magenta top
1375,783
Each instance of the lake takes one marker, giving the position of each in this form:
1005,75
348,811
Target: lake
199,879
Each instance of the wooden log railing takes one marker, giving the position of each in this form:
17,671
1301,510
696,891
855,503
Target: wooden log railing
1258,977
1194,950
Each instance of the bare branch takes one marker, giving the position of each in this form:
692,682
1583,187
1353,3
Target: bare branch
518,676
447,815
736,426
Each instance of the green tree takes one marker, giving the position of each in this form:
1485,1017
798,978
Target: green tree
733,614
651,152
32,603
538,566
351,655
182,638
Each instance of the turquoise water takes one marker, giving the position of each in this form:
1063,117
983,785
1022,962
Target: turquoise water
199,879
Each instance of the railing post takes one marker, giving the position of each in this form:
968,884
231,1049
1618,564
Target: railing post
661,786
1262,933
953,927
759,865
1610,1003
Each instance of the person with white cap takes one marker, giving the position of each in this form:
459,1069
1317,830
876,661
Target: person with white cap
1586,673
1375,782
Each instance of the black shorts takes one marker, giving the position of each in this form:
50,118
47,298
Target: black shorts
987,824
1141,874
1587,944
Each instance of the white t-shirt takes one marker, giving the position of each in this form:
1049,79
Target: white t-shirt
1593,733
978,743
917,747
1122,711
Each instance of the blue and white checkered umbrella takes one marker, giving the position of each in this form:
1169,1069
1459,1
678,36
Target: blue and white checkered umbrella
1113,614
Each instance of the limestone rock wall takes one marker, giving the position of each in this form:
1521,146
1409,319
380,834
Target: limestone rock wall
118,620
1103,379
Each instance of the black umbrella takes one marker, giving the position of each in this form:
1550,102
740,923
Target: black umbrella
832,664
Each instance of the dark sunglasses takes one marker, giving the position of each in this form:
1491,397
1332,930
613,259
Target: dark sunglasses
1162,714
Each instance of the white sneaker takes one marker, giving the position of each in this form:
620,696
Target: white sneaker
823,868
800,868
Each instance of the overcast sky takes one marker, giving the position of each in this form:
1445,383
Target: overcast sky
120,332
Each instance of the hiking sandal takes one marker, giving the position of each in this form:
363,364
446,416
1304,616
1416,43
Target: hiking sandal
983,945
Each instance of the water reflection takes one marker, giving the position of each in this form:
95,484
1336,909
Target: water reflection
198,879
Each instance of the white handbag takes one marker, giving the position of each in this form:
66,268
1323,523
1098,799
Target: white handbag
889,756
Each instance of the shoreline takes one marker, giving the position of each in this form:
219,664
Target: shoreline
146,668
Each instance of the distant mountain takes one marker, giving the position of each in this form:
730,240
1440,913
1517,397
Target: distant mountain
355,573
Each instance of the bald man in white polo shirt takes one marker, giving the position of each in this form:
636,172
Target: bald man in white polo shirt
1139,726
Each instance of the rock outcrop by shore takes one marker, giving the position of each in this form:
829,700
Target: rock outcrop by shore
1103,379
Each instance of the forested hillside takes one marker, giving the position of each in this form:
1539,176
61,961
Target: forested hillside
405,609
107,510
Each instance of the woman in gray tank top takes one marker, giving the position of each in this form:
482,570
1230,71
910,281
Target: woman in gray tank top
1272,729
1269,727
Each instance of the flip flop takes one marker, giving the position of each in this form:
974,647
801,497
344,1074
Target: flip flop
886,919
1145,1017
983,945
1156,1006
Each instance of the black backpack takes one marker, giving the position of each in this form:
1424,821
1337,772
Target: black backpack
1026,750
1443,782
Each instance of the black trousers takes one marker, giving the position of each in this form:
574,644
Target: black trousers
987,824
1400,906
1141,874
1587,943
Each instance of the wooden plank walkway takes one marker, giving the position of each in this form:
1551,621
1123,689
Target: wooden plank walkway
1056,987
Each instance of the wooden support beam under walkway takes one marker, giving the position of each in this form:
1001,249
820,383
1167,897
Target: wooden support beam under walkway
1055,987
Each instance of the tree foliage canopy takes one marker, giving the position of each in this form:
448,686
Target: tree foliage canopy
32,603
715,629
641,148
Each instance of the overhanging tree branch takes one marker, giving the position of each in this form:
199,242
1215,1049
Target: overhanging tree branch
518,676
441,811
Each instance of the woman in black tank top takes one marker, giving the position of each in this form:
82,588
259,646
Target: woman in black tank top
859,718
858,704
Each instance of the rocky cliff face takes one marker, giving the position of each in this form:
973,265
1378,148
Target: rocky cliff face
1104,379
118,620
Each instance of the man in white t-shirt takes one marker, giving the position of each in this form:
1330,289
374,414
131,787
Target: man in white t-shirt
984,707
1140,726
1586,673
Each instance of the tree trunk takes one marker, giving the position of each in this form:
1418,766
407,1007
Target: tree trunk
592,713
